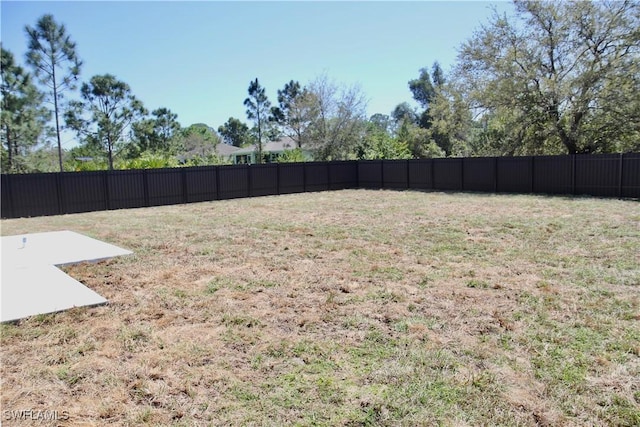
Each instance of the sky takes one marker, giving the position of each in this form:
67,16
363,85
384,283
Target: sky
197,58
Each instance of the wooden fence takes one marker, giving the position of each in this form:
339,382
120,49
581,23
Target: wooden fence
604,175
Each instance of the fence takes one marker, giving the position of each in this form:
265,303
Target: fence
605,175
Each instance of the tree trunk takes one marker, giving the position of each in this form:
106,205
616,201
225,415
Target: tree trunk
55,108
110,152
9,148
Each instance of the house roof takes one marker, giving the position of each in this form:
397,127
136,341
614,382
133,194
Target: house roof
226,149
282,144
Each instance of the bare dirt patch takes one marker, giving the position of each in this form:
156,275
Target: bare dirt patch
344,308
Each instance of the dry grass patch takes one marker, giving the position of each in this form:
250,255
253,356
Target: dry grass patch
344,308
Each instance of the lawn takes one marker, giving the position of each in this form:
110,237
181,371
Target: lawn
344,308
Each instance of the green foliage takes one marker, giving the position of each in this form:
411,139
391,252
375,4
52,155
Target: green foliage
336,131
291,156
22,116
235,132
258,110
422,88
112,109
558,74
296,112
418,141
379,144
53,57
197,145
156,134
149,160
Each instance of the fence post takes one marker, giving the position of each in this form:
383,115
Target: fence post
105,187
59,193
620,174
328,175
382,174
462,174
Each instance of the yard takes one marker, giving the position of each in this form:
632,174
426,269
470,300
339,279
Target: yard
349,308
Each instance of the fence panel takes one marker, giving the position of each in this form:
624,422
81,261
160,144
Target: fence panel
631,175
395,174
597,174
83,191
343,174
165,186
553,174
291,177
370,173
263,179
234,181
126,189
514,174
447,174
607,175
420,174
34,194
201,183
6,204
316,176
479,174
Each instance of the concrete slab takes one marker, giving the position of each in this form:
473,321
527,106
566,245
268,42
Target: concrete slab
31,284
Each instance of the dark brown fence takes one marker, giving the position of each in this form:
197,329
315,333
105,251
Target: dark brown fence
605,175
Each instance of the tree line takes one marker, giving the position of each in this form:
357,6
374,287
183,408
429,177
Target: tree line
552,78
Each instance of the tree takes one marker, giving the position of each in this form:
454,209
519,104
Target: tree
235,132
336,131
198,145
422,88
112,108
450,120
296,111
418,140
559,73
53,57
22,117
156,134
258,110
377,143
425,91
402,112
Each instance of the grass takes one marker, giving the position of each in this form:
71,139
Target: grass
345,308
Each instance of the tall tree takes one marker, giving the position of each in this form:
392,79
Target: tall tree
235,132
198,144
52,54
258,110
338,127
22,117
402,112
424,91
156,134
296,111
112,109
560,72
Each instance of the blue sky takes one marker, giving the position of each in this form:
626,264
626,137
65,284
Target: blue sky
197,58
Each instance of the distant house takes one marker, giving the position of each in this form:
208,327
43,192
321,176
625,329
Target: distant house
270,151
226,152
